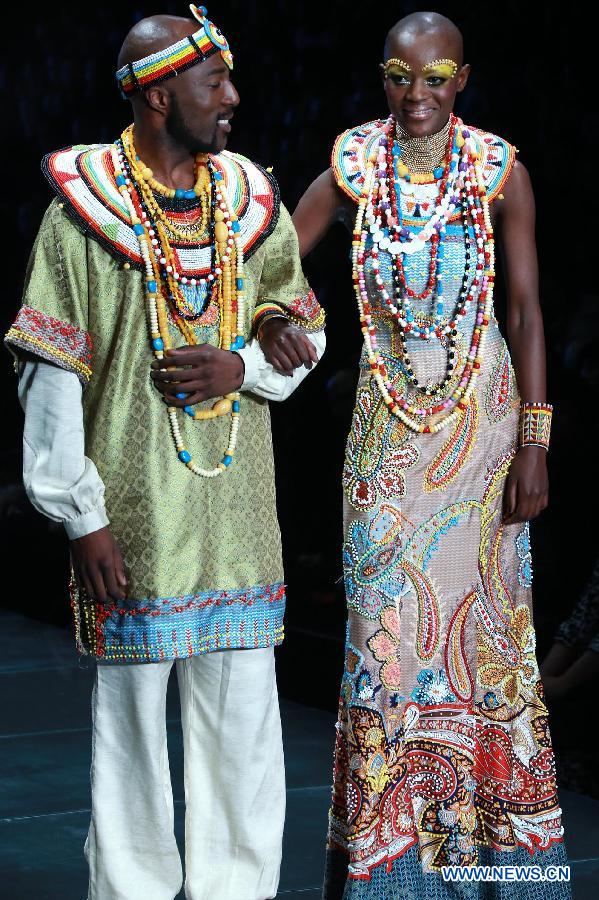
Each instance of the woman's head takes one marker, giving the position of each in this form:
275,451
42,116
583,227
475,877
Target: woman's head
423,71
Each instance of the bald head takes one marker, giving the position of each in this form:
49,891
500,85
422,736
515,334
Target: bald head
153,34
426,25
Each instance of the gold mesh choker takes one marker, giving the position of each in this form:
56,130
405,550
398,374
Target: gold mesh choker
422,154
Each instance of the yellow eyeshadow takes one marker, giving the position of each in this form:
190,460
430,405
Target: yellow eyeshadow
442,68
398,66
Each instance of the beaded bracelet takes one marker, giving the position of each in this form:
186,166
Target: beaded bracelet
259,325
535,424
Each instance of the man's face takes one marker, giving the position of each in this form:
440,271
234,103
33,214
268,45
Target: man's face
202,102
422,74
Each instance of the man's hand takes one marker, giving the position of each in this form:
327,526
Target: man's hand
526,492
286,347
98,566
201,373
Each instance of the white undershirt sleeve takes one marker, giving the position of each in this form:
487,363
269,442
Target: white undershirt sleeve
262,378
60,481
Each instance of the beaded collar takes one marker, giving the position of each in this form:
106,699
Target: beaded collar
83,178
351,149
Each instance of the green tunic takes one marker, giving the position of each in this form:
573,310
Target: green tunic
203,555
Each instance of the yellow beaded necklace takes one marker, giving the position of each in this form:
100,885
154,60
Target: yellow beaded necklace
148,185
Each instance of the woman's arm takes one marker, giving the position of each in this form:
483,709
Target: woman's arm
526,491
322,204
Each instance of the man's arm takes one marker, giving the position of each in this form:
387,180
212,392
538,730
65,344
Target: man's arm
60,481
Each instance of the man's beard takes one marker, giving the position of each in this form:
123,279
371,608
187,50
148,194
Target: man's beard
178,129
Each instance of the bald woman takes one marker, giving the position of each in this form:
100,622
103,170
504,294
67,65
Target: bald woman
443,755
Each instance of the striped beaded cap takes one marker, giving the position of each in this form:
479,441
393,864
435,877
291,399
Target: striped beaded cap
136,76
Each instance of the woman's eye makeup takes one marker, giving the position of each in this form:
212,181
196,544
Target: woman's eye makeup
435,73
440,68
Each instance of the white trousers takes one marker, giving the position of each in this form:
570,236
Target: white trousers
234,780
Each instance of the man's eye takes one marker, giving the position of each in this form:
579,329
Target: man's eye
215,84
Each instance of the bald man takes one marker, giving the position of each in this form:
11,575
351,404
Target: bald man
165,250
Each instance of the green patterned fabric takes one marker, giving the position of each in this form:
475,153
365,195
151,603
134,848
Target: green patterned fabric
203,555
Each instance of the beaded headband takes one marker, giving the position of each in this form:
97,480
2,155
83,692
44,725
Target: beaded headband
136,76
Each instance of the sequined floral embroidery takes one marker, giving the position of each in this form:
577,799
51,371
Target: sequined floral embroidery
377,454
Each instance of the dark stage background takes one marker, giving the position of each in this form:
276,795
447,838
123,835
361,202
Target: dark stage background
306,72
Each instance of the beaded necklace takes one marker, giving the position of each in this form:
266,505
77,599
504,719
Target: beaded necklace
461,179
163,275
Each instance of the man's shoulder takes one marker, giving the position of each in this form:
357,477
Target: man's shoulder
254,196
82,177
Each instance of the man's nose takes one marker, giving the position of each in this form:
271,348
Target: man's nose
231,96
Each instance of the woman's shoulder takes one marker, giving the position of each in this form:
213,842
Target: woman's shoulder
350,154
497,158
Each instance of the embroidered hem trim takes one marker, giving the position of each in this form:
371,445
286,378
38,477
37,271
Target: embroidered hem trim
179,627
59,342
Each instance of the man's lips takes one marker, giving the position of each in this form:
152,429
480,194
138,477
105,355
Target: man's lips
225,124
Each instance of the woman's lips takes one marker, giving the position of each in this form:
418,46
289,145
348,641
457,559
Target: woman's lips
415,113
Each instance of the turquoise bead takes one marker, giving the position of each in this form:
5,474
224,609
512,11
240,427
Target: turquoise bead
180,194
236,226
152,287
239,284
236,406
138,229
240,342
180,396
227,460
184,456
120,180
188,410
158,344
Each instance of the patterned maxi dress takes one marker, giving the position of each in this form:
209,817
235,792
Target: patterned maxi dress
443,754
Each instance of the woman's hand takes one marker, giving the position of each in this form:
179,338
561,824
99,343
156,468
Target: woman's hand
526,491
286,347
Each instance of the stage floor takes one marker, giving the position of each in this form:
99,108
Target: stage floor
44,777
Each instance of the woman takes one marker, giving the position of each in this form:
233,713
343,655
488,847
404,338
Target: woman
443,754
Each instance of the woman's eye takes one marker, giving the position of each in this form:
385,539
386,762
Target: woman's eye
435,80
399,79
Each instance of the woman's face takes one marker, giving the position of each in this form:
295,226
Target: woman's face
422,74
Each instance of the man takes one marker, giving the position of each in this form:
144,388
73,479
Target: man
159,240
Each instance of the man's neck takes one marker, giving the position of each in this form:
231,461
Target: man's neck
171,163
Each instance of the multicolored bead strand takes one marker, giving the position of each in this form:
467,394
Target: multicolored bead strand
462,177
227,278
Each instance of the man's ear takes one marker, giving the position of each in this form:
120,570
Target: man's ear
157,99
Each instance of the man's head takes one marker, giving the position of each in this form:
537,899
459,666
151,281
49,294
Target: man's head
423,71
194,106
